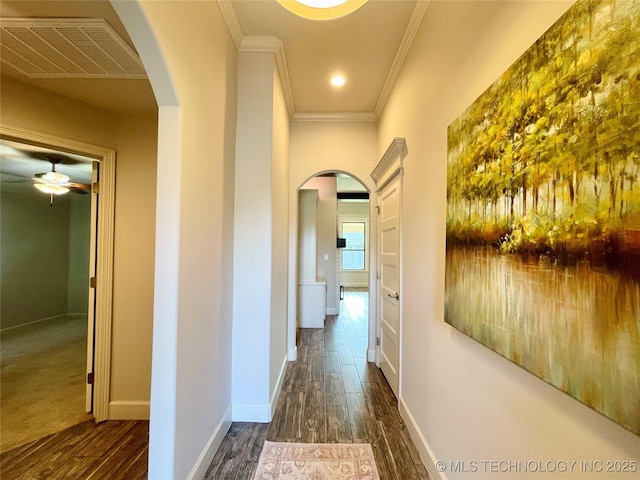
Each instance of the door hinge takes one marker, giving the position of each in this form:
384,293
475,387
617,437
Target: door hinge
378,209
95,187
90,378
377,341
93,282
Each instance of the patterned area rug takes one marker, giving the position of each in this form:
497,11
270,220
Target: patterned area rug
316,461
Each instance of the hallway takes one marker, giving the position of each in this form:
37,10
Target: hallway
331,394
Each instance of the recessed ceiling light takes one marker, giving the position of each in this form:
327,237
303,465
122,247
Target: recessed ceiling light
322,9
321,3
338,81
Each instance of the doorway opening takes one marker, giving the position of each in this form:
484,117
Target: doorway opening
333,262
47,313
28,148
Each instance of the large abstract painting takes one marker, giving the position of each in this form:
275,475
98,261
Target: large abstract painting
543,210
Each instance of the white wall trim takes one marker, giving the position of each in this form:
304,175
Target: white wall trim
371,355
257,412
331,311
276,391
251,413
335,117
104,252
293,354
390,163
401,55
129,410
205,458
231,20
427,456
269,43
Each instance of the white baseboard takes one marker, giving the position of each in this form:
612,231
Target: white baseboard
331,311
199,469
293,354
371,355
128,410
251,413
426,454
276,391
260,413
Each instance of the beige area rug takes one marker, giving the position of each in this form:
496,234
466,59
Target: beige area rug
316,461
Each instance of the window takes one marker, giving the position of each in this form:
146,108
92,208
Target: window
353,253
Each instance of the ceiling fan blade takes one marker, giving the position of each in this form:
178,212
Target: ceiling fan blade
81,188
53,158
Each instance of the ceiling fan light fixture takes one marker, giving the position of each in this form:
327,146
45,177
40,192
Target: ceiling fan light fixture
51,188
322,9
55,177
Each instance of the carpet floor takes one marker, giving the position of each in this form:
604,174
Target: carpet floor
42,381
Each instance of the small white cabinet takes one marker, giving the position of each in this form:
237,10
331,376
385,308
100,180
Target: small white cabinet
312,300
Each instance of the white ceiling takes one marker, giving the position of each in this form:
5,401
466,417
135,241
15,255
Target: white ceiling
366,46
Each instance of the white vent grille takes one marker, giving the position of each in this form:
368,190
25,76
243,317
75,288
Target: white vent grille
67,48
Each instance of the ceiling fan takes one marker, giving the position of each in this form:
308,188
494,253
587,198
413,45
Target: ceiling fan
55,183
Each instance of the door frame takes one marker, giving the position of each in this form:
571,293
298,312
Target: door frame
388,168
103,251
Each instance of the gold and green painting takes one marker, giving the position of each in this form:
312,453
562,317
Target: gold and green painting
543,210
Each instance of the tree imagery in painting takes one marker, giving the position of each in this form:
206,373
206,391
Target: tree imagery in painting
543,210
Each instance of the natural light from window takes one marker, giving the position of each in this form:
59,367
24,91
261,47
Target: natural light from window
353,254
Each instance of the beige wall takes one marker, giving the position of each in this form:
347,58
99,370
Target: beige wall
326,233
134,141
467,402
279,233
202,63
133,264
261,243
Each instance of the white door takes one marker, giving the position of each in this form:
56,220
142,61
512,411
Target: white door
389,286
91,313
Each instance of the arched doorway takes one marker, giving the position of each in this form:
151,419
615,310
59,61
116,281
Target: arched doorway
333,252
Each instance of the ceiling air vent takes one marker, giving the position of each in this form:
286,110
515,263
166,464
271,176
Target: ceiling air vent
67,48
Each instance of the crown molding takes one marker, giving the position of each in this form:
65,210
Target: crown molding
269,43
335,117
401,55
229,15
390,163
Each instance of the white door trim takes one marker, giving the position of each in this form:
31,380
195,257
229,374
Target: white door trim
104,251
387,169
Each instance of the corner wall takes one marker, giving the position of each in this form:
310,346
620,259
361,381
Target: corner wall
260,232
463,401
191,61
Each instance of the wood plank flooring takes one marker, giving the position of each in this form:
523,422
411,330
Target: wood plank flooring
115,450
331,394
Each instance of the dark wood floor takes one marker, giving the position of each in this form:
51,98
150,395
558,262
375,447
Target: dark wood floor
115,450
330,394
